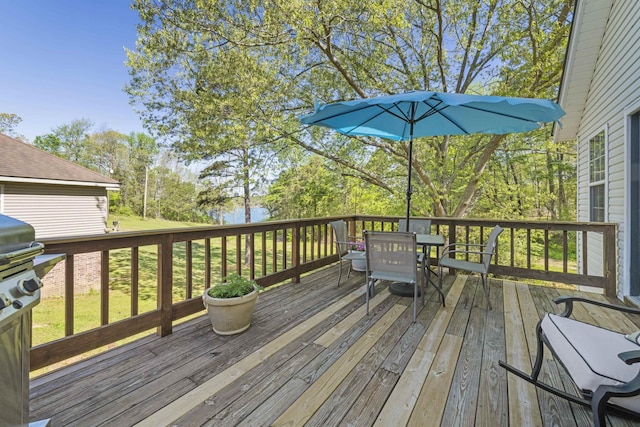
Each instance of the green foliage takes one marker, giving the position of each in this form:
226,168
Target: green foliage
234,286
306,191
8,124
228,83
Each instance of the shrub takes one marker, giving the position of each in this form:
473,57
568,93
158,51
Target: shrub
235,286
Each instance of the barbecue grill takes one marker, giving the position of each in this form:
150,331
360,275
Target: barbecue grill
22,266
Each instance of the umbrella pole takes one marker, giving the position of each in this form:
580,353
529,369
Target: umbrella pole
410,159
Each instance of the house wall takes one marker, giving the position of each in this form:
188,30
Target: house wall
57,210
615,88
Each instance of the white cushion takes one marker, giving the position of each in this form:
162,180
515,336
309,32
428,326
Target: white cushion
590,355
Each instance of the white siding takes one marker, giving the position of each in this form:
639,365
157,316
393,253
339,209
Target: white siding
58,210
615,87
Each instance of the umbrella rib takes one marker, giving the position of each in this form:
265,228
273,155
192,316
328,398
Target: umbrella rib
524,119
333,116
383,110
434,109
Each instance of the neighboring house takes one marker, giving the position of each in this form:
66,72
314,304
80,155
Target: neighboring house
57,197
600,91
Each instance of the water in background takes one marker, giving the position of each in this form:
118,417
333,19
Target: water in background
237,215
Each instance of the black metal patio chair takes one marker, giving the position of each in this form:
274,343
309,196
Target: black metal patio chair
343,245
602,363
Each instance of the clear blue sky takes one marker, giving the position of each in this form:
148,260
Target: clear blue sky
63,60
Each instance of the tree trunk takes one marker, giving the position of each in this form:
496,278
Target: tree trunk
246,186
146,189
552,187
562,197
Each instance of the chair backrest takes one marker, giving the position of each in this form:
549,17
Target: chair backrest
418,226
391,252
341,235
491,246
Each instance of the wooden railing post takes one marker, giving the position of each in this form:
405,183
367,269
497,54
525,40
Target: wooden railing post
165,285
609,261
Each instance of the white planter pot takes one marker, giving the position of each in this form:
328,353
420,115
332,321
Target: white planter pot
359,264
230,315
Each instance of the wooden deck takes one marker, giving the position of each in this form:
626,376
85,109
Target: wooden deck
312,357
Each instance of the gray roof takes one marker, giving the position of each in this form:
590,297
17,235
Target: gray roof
20,161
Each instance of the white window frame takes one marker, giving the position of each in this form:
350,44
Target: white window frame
605,180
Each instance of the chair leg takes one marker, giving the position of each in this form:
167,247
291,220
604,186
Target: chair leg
340,272
438,287
368,284
485,286
598,404
415,301
425,282
537,365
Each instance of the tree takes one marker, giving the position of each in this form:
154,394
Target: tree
8,124
143,149
236,74
202,97
108,153
69,141
310,190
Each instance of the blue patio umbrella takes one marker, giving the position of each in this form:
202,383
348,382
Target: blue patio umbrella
402,117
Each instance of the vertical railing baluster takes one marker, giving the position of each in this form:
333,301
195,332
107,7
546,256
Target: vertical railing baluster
69,295
546,249
135,279
585,257
239,254
565,252
264,253
513,252
274,250
207,263
528,248
304,244
188,253
223,254
104,288
284,249
252,261
295,252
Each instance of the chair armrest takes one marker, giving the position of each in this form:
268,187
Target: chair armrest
446,247
569,300
345,243
630,357
461,251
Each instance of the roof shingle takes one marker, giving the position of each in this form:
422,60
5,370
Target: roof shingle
21,160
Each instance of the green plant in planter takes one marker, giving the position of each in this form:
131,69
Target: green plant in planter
235,286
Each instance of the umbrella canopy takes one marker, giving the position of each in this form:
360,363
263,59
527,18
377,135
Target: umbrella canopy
404,116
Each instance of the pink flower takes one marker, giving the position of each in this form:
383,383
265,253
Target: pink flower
357,246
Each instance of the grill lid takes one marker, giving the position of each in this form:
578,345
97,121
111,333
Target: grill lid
15,234
17,245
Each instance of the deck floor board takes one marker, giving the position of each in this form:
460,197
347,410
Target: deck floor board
313,357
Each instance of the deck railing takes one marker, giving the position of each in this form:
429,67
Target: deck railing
173,267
